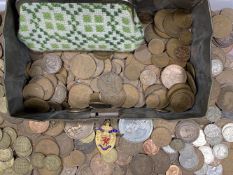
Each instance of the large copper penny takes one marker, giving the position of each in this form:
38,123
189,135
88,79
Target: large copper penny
174,170
161,137
150,148
173,74
100,167
47,146
38,126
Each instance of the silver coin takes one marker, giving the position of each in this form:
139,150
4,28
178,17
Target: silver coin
212,131
52,63
227,132
169,150
220,151
60,94
207,153
214,140
211,170
217,67
188,162
202,171
188,149
213,114
135,130
201,140
69,171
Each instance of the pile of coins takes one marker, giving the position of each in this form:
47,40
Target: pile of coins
157,75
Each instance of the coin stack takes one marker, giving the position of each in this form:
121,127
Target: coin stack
156,75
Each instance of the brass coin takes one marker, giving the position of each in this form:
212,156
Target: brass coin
52,78
79,96
218,21
9,171
102,55
159,18
186,37
83,66
38,126
21,166
152,101
36,105
141,164
5,141
161,60
182,100
218,53
156,46
132,96
65,144
3,105
55,128
149,33
74,159
191,70
183,19
11,132
177,87
45,171
191,82
110,157
47,86
171,47
177,73
22,146
143,55
170,26
46,147
148,77
33,90
52,162
6,154
161,137
37,160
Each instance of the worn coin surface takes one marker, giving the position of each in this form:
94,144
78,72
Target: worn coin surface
200,141
161,136
213,114
51,63
132,96
217,67
208,154
150,148
220,151
33,90
177,73
6,154
123,158
21,166
85,147
143,55
47,146
52,162
161,162
227,132
38,126
65,144
110,157
37,160
78,130
74,159
174,170
55,128
148,77
135,130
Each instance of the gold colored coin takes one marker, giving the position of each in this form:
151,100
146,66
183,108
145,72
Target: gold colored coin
110,157
6,154
170,26
159,19
102,55
186,37
183,19
33,90
22,166
218,30
5,141
172,45
52,162
89,138
83,66
79,96
11,132
161,60
132,96
37,160
156,46
36,105
227,12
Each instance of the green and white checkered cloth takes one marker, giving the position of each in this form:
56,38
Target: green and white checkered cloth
79,26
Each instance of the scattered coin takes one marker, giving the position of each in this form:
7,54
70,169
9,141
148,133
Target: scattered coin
150,148
208,154
220,151
161,137
37,160
174,170
135,130
38,126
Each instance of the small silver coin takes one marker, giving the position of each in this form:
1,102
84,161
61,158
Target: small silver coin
135,130
212,131
188,162
211,170
213,114
202,171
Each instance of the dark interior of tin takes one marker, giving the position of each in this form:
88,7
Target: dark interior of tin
17,57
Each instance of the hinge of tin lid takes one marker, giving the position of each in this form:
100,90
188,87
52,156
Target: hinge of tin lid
105,113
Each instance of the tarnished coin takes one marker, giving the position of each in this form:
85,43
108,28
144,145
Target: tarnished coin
141,164
143,55
22,145
149,33
171,47
187,130
100,167
123,158
6,154
148,77
208,154
60,94
161,60
189,161
174,170
200,141
83,66
69,171
84,170
3,105
161,137
22,166
11,132
135,130
84,147
221,20
114,99
79,130
52,162
186,37
55,128
51,63
150,148
33,90
37,160
47,86
79,96
36,105
177,144
89,138
183,19
65,144
177,73
225,99
156,46
38,126
220,151
217,67
213,114
227,132
132,96
74,159
128,147
161,162
47,146
110,157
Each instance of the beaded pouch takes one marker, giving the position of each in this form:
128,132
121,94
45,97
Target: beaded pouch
61,25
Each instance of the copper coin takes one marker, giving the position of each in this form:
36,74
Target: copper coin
174,170
100,167
156,46
74,159
46,147
143,55
150,148
161,137
55,128
65,144
177,73
79,130
141,164
132,96
187,130
38,126
123,158
47,86
161,162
